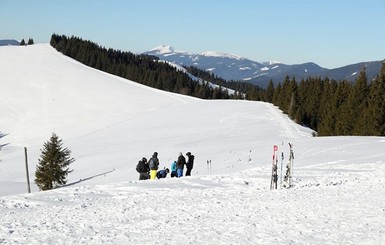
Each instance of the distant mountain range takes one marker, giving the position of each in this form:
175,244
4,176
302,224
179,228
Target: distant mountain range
9,42
233,67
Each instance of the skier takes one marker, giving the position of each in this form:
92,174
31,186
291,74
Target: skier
153,163
180,165
190,163
143,169
162,173
173,169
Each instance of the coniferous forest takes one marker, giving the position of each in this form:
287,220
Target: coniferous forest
329,107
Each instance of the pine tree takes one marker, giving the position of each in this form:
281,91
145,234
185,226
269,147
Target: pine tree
269,92
358,99
22,43
30,41
52,168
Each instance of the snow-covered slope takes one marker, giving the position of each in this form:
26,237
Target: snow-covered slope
110,123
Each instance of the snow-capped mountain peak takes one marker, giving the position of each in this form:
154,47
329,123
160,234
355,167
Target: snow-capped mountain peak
163,49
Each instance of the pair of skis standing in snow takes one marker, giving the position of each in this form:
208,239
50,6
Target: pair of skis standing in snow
287,180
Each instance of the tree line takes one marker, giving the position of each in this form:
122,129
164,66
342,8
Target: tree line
334,107
245,90
30,42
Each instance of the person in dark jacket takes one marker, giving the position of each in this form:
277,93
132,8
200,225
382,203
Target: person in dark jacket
162,173
190,163
180,165
143,169
153,163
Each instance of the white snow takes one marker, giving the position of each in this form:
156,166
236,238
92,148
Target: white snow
199,80
244,68
275,67
109,123
163,49
271,62
221,54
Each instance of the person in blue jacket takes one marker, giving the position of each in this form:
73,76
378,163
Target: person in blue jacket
162,173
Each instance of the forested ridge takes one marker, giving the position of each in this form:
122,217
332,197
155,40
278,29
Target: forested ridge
329,107
143,69
334,107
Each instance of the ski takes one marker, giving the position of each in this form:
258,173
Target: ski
289,169
274,172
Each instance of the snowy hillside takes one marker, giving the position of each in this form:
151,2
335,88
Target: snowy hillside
109,123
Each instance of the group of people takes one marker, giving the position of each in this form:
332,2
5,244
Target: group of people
149,169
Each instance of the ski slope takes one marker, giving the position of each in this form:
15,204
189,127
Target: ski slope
110,123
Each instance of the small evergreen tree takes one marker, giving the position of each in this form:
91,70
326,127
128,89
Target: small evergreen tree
52,168
30,41
22,43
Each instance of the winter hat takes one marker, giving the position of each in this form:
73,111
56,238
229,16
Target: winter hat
188,153
155,154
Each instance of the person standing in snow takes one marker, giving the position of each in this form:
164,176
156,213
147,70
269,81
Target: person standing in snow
180,165
143,169
190,163
153,163
173,170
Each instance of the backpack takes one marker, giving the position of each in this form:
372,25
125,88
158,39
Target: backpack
139,167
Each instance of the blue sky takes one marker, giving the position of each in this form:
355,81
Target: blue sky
331,33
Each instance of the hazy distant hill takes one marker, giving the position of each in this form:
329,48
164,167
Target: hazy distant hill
233,67
9,42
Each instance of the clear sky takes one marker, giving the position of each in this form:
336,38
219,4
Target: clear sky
331,33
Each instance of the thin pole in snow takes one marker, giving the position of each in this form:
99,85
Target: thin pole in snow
26,168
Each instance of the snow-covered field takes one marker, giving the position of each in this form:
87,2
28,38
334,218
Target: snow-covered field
110,123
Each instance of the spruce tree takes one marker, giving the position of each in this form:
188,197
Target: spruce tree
22,43
359,103
53,164
269,92
30,41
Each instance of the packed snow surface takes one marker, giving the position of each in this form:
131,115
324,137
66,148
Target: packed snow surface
110,123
